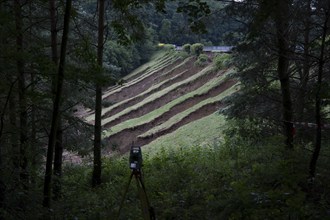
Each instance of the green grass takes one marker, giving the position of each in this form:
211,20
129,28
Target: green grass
154,87
190,135
160,94
162,60
231,179
178,117
157,112
155,60
159,60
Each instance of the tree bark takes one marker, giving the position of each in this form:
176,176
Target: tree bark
318,137
58,162
97,169
56,107
282,33
59,133
21,95
304,77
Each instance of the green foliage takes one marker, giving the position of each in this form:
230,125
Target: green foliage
202,60
195,10
249,176
120,56
165,31
187,48
182,54
124,58
197,49
169,47
222,61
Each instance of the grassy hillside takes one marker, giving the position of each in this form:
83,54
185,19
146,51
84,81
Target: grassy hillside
161,96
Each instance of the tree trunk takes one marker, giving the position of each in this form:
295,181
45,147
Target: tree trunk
96,178
21,95
59,133
304,77
56,107
14,135
58,162
282,32
34,152
318,137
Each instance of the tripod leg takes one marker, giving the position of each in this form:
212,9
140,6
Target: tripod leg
148,211
124,196
143,197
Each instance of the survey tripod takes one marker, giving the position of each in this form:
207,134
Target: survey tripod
135,160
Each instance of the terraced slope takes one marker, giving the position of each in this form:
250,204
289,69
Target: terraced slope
160,97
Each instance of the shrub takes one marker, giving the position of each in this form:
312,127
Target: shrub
169,47
202,60
187,48
197,49
182,55
222,61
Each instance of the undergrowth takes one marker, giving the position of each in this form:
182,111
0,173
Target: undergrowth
237,178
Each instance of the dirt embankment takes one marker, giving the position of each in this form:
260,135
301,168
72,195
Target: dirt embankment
124,144
164,99
124,138
132,101
165,63
140,84
173,76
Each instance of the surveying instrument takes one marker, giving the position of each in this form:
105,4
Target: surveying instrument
135,164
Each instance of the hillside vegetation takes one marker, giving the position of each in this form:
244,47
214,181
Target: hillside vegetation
169,91
198,164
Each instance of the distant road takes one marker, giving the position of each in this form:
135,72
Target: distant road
223,49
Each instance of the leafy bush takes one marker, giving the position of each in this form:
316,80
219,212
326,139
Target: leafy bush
248,175
182,54
187,48
202,60
222,61
197,49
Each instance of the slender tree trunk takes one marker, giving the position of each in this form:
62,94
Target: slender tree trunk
96,178
21,94
14,136
282,32
58,162
306,64
318,137
34,153
56,107
59,133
